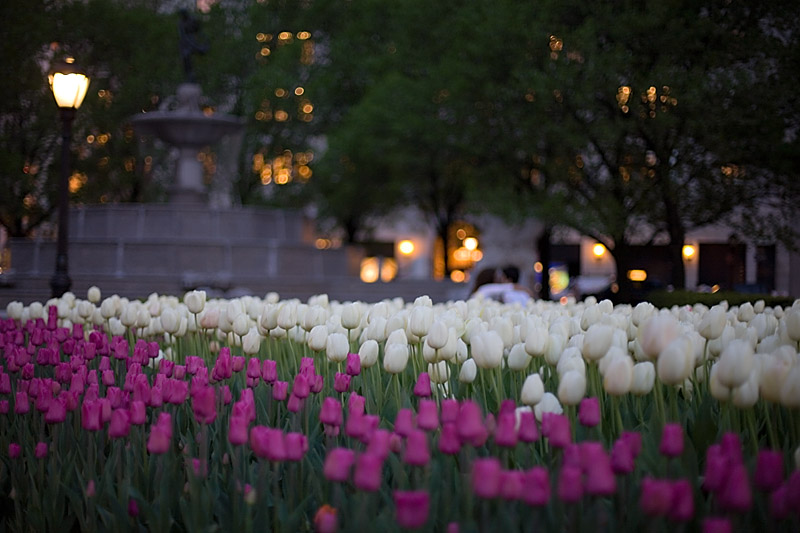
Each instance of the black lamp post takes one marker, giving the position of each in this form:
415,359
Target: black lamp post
69,87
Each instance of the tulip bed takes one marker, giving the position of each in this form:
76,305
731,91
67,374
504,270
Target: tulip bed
279,415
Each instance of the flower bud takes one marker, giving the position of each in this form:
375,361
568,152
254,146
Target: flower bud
572,387
644,376
318,338
368,353
676,361
735,363
437,335
597,341
518,358
532,390
337,347
618,378
241,325
657,332
487,349
251,342
420,320
548,404
195,301
469,371
395,358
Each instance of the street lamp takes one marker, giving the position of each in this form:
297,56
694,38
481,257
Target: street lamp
69,87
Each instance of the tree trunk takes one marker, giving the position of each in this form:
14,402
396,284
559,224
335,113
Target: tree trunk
677,269
623,254
543,246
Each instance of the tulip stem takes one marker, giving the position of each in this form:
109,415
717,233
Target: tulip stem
773,441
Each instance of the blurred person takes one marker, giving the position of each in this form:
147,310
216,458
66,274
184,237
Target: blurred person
517,293
490,283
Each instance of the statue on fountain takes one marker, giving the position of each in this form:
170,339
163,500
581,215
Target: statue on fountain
190,42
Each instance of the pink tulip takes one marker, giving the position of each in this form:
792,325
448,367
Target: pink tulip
411,508
353,364
536,487
204,405
237,363
671,440
589,412
21,403
159,440
682,505
449,443
470,421
368,473
634,441
450,410
528,430
138,413
486,477
268,443
379,443
238,427
427,415
223,368
736,495
779,505
716,470
732,447
622,461
14,450
505,434
41,450
91,415
254,368
511,484
318,384
416,452
769,470
295,403
717,525
341,382
655,496
331,412
133,508
301,387
120,424
355,403
557,429
338,463
269,371
423,385
570,484
404,422
296,446
596,464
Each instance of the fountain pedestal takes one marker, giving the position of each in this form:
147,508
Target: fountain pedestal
188,129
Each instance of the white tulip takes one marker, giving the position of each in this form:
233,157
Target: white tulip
93,294
619,375
504,328
641,312
746,394
170,321
591,314
85,309
468,372
597,341
420,320
536,341
251,342
395,358
439,372
36,310
746,312
572,387
555,347
644,377
195,301
449,351
718,391
128,316
397,336
487,349
532,390
462,351
792,321
518,358
735,363
717,345
368,353
376,329
676,361
351,315
318,338
657,332
337,347
571,359
790,391
437,335
287,316
548,404
241,325
116,327
775,368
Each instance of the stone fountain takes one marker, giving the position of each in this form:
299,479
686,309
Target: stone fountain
187,127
